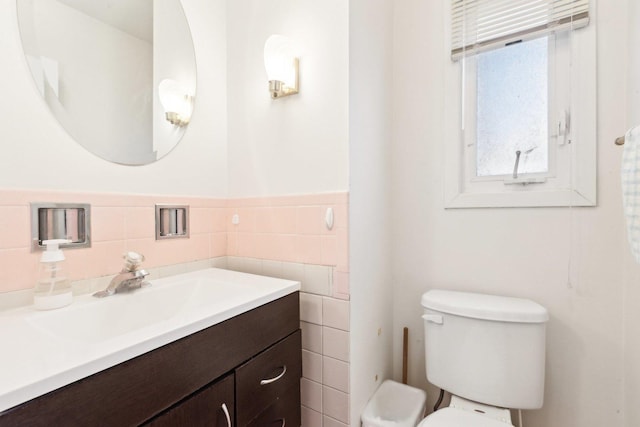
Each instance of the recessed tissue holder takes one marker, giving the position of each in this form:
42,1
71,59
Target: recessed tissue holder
172,221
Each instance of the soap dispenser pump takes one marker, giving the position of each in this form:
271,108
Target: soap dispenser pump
53,289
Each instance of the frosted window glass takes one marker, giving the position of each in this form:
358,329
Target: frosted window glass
512,110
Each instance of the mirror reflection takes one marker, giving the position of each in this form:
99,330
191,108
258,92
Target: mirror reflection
119,75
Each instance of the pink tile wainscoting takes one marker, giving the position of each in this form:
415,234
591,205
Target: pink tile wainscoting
119,223
325,384
284,228
292,229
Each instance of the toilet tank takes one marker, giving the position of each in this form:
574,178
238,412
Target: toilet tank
486,348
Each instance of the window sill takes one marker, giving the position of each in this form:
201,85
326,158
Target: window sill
521,199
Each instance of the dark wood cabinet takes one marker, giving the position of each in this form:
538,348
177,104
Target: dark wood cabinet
188,379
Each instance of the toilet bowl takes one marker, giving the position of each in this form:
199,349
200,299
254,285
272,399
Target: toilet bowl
488,352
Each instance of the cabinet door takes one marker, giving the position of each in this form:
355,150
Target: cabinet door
213,406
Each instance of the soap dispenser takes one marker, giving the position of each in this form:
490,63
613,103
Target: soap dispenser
53,289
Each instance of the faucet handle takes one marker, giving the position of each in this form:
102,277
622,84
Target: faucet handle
132,260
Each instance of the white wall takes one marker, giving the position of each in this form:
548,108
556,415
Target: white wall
570,260
34,142
297,144
632,274
633,57
370,114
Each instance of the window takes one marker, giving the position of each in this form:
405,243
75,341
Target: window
512,106
521,128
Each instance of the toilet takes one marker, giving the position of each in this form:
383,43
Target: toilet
488,352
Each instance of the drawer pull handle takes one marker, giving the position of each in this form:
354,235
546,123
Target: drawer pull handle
274,379
226,414
283,422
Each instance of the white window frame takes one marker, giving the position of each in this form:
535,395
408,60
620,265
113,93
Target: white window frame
571,182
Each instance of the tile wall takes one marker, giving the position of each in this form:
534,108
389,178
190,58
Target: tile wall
276,236
119,223
292,229
325,361
324,321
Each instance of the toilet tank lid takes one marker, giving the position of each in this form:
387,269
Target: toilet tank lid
487,307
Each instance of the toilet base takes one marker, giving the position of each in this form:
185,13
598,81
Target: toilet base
463,412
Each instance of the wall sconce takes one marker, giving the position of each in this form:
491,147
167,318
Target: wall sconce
176,101
281,64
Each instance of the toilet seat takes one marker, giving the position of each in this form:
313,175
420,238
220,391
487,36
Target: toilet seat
455,417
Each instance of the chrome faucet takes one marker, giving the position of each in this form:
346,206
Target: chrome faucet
129,278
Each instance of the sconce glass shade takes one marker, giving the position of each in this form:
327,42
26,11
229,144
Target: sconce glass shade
176,101
281,64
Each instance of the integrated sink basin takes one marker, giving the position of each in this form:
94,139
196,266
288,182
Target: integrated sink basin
49,349
96,320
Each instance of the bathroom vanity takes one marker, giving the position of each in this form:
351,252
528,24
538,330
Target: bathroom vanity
241,371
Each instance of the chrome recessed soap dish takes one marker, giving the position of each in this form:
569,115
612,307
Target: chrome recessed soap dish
70,221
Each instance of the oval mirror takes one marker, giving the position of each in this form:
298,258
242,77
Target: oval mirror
119,75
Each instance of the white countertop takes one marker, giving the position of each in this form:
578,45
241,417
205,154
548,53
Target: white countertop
45,350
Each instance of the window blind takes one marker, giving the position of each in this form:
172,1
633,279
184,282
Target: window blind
478,25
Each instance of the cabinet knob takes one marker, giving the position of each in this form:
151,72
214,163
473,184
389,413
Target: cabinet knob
276,378
226,414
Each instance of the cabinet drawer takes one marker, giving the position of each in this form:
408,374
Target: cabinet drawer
205,408
284,412
266,377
